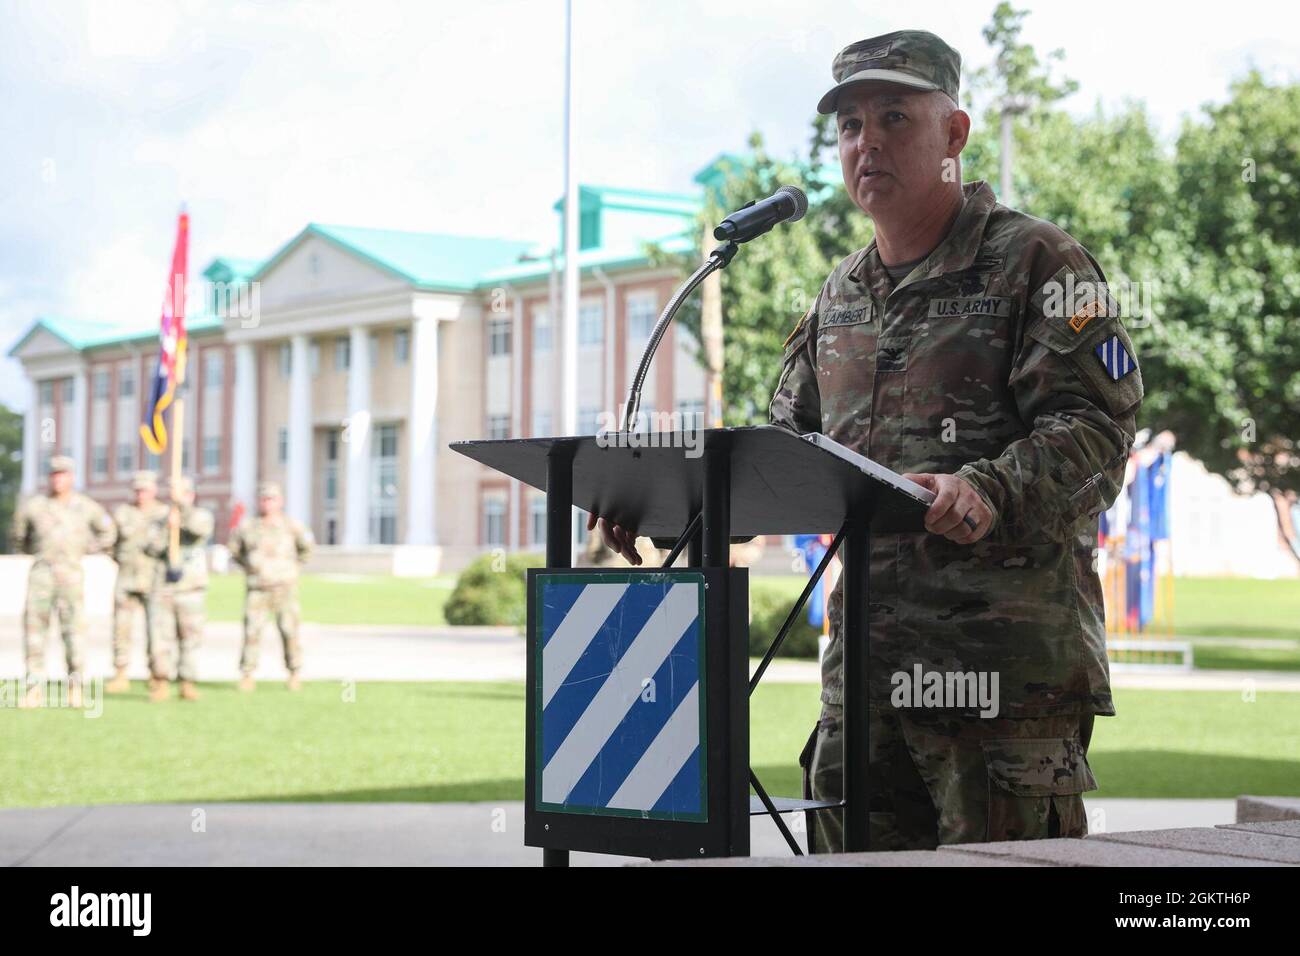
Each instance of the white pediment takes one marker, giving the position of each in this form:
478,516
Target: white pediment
318,270
43,343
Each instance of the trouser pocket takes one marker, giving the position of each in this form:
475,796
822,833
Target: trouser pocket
1036,788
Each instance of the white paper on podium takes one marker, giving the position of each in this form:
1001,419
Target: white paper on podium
869,467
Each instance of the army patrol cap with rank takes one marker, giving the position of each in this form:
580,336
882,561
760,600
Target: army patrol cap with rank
144,479
60,463
912,58
268,489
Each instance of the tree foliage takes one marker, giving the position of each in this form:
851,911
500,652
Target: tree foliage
1201,238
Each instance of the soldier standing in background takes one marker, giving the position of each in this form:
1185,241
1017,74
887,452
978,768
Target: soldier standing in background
178,609
270,548
58,528
136,571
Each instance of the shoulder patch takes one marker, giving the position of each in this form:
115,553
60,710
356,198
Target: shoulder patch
1114,357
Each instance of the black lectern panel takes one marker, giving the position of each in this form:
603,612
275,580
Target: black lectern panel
780,483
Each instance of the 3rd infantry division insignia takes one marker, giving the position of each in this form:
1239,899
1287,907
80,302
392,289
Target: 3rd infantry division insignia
1115,358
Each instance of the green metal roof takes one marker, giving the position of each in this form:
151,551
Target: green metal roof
425,259
82,334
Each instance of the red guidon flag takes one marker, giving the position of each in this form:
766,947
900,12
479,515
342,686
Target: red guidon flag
172,343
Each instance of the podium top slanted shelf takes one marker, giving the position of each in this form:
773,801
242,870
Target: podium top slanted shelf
781,483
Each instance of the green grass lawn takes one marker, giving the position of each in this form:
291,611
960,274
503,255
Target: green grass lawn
347,599
1230,607
462,741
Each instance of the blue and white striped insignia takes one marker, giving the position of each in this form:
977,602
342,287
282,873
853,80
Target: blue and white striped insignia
1115,358
620,683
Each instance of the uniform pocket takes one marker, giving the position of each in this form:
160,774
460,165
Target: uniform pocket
1036,787
1104,359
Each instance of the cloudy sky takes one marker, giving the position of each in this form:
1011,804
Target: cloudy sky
446,117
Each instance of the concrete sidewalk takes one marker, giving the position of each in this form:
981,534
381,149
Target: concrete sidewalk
390,652
385,834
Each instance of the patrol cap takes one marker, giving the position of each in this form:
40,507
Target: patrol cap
912,58
268,489
144,479
60,463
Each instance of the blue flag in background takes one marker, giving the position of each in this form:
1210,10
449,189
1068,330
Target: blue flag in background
813,552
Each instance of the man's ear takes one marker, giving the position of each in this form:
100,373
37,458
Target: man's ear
958,132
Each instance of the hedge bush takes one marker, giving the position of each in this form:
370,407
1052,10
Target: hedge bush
491,590
769,603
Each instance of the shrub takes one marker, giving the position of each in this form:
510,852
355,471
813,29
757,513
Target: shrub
769,603
491,590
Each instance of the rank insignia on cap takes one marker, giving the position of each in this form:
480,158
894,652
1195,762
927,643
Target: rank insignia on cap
1115,358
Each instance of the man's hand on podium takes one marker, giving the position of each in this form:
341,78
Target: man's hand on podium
955,502
617,538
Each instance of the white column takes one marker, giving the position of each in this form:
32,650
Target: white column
243,454
80,401
422,453
31,439
298,493
516,406
356,513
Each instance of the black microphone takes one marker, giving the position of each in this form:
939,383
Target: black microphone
786,204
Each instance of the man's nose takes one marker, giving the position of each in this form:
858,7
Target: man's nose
868,139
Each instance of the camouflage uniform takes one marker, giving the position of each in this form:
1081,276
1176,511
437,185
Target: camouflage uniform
137,571
58,533
179,609
975,364
271,550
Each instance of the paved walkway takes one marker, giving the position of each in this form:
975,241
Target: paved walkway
362,653
381,834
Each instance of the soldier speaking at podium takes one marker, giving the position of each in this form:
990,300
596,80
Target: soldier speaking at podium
976,349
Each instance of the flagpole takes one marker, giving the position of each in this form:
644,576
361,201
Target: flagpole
178,291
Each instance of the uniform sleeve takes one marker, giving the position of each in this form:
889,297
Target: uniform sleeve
102,528
21,530
796,404
1078,388
196,525
158,539
237,547
304,542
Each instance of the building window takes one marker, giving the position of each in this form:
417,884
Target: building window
498,337
401,346
342,353
494,522
537,522
125,456
541,424
591,323
99,461
282,446
331,480
126,383
214,369
102,384
581,534
498,426
313,358
383,485
47,393
541,331
642,312
691,414
152,462
286,359
212,454
587,420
